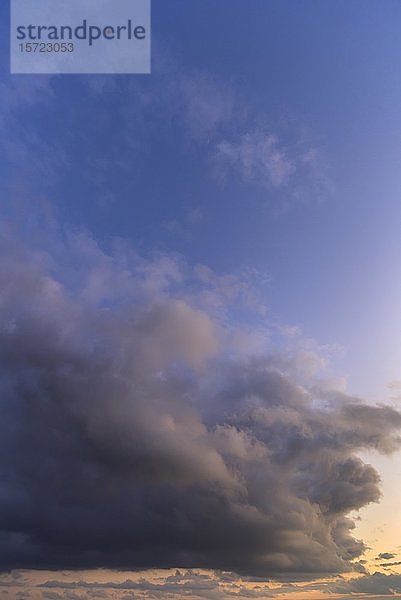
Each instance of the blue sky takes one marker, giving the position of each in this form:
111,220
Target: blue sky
321,77
264,146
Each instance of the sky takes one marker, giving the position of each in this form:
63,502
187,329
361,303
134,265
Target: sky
199,311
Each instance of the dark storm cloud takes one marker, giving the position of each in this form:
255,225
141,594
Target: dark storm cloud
137,432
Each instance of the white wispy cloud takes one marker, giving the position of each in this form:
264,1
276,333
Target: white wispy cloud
256,157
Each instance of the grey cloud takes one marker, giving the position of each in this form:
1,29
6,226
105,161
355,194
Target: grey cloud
132,437
385,556
201,585
181,583
378,583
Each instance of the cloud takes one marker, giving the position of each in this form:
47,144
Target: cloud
194,584
378,583
256,157
206,105
132,436
273,159
385,556
179,583
190,110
